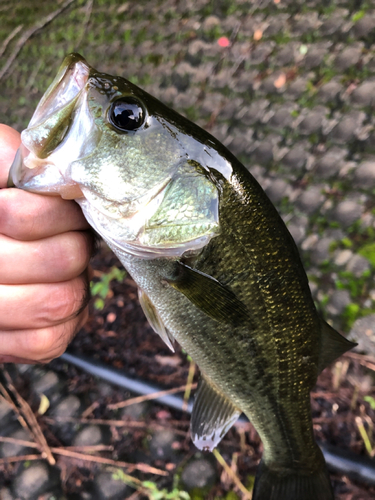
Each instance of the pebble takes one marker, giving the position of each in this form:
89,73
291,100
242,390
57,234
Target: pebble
68,407
364,94
13,449
321,251
34,480
310,200
364,175
199,473
46,383
363,332
343,257
338,301
89,435
358,265
161,445
346,213
136,411
107,487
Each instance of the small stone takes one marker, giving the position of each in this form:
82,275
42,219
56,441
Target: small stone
310,200
161,445
330,163
363,332
295,159
277,190
314,57
198,473
346,213
364,94
347,58
339,300
344,130
297,227
330,92
343,257
68,407
364,27
6,413
89,435
310,242
321,251
34,480
46,383
13,449
364,175
107,487
5,494
263,153
358,265
136,411
311,123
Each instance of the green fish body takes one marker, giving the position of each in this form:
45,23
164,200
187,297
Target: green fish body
216,268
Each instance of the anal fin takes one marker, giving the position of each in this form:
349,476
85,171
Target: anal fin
154,319
213,415
333,345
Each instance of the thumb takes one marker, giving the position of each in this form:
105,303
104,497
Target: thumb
9,142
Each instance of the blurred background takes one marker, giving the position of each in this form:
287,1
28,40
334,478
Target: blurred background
289,87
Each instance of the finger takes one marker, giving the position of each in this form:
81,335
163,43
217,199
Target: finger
51,260
28,216
42,305
39,345
9,141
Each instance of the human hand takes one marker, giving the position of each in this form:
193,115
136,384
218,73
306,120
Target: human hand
45,247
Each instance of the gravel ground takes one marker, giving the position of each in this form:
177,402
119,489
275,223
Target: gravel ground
292,95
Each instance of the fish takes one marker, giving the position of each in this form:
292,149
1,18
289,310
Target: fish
216,267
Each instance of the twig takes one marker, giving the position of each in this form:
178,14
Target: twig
246,493
86,20
114,423
30,419
29,33
30,444
149,397
90,409
9,38
367,361
19,458
108,461
189,385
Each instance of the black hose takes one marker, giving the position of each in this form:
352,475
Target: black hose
340,461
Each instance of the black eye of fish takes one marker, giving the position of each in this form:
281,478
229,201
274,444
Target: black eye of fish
126,114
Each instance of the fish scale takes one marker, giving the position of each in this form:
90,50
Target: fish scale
215,264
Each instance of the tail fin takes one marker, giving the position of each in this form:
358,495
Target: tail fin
271,485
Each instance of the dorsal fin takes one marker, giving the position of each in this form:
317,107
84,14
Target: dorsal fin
154,319
333,345
213,415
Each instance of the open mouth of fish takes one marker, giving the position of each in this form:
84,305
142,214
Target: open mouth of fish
60,132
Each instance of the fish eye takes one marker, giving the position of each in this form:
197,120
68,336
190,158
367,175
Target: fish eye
126,114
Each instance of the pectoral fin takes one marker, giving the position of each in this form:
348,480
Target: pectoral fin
210,296
333,346
154,319
213,415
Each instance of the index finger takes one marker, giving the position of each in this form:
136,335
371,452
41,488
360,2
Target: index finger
9,142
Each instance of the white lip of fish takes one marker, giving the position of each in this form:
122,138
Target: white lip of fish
33,173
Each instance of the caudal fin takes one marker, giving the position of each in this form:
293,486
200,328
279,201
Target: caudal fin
271,485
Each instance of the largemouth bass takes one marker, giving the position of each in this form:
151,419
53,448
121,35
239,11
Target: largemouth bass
216,267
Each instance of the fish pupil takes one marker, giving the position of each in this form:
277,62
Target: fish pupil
126,114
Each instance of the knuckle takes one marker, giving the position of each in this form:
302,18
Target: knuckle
69,299
40,343
74,253
17,215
